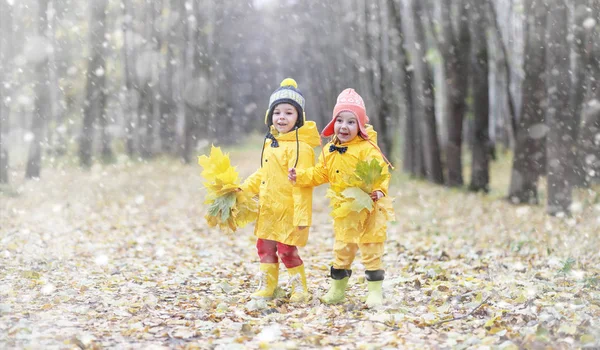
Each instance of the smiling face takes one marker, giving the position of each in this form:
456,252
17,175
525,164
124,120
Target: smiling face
346,126
284,117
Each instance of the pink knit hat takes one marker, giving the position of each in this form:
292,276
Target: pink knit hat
349,101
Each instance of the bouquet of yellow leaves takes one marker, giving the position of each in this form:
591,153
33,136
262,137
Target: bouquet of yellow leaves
228,207
351,201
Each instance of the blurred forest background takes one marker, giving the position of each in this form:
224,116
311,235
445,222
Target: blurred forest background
449,85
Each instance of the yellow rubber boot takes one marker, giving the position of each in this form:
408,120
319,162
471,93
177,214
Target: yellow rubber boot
298,282
269,276
375,296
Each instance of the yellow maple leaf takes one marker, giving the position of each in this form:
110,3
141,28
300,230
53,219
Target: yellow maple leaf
351,201
217,167
228,207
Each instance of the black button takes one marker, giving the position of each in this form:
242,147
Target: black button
266,160
263,182
337,171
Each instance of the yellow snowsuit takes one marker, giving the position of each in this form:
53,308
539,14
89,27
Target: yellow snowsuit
283,207
334,167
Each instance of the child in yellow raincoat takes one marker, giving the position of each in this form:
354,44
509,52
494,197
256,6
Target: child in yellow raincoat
285,211
353,140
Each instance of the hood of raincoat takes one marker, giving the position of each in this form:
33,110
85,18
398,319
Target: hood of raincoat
306,133
370,132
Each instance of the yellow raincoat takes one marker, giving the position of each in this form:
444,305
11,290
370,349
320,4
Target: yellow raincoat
281,206
335,168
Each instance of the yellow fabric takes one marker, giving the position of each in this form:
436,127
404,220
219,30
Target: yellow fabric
283,207
334,167
344,254
267,289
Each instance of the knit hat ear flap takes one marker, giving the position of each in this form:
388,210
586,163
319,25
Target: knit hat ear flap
287,93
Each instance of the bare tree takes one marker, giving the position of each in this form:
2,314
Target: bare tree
128,64
454,46
423,100
197,85
587,116
168,117
5,59
561,136
480,174
147,69
411,155
505,67
42,101
96,77
383,79
529,153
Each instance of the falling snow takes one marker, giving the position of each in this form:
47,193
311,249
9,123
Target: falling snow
116,253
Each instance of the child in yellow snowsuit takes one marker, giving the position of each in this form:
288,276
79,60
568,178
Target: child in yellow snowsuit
285,211
353,140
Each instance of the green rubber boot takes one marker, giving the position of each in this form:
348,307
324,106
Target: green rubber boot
375,296
337,292
339,283
374,284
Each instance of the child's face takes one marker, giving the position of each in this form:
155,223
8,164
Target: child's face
346,126
284,117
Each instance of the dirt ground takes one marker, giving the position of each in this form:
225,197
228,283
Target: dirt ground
120,257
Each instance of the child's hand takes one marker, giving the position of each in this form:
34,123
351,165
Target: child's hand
377,195
292,174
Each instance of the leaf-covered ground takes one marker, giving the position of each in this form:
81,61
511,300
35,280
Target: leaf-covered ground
120,257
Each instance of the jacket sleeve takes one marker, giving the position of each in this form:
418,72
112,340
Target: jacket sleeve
252,183
302,195
376,153
313,176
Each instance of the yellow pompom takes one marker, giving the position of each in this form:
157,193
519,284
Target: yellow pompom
289,82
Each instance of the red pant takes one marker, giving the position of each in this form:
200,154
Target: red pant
268,251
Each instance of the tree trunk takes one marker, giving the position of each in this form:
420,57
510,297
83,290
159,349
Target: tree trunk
456,55
168,108
529,153
396,91
423,105
5,59
581,58
42,101
94,104
386,125
480,174
148,96
4,159
505,68
561,136
129,118
411,152
409,146
196,90
105,137
589,136
589,141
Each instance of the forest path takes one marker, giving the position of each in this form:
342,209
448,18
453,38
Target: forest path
120,256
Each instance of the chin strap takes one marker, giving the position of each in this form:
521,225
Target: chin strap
322,153
297,147
383,155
